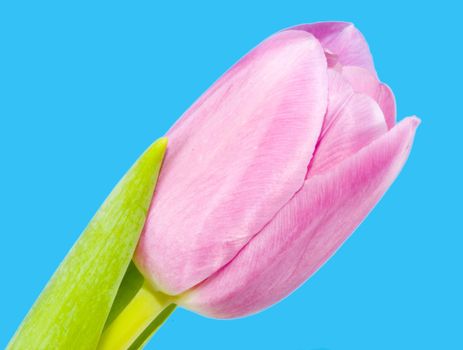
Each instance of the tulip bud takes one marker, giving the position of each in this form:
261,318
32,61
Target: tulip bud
271,170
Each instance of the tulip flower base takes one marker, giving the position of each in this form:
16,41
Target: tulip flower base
138,311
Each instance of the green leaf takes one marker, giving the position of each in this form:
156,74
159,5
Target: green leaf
73,308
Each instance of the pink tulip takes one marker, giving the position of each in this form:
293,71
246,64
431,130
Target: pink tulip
271,170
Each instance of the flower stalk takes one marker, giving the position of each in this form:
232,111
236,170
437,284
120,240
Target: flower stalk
134,319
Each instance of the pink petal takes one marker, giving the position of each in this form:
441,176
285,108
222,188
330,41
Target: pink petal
306,232
234,159
365,82
343,40
344,45
352,122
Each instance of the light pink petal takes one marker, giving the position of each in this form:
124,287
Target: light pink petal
343,40
352,122
365,82
235,159
345,46
306,232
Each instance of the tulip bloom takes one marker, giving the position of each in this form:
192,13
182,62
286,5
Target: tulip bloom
271,170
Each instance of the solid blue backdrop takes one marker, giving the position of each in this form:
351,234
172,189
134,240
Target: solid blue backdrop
85,87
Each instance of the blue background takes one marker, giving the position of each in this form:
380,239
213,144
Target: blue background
86,86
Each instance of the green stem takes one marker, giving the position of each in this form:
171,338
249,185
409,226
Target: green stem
152,328
138,315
